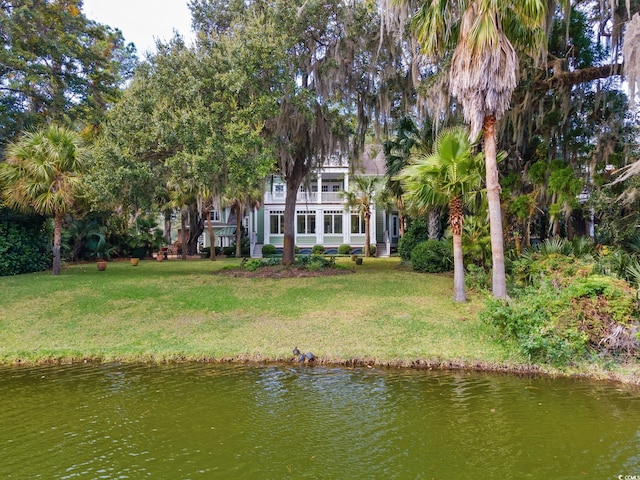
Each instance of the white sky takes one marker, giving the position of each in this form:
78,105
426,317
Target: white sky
143,21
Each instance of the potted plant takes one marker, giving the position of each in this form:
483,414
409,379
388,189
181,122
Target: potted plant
100,249
143,238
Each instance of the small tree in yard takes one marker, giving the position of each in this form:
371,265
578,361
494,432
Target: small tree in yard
451,175
41,174
362,197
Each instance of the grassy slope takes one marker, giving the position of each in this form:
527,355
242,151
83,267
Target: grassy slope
175,310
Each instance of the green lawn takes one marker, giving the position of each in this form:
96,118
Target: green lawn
176,310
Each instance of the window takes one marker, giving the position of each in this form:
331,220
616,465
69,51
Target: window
278,190
395,226
276,219
325,188
357,223
306,222
214,215
335,188
333,221
314,188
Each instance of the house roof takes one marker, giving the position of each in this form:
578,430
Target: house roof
225,231
372,161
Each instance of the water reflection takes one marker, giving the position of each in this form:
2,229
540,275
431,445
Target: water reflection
286,421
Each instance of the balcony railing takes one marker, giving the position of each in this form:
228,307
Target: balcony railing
305,197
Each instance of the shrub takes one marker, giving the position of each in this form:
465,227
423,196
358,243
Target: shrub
372,250
559,325
252,265
432,256
344,249
477,278
268,249
24,243
317,250
417,233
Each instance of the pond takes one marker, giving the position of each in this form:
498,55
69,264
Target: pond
192,421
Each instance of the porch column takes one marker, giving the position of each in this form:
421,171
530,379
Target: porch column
372,226
319,197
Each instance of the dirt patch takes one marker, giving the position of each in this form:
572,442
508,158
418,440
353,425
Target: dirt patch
282,271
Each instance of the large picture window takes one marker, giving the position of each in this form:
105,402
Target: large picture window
277,222
333,221
306,222
357,223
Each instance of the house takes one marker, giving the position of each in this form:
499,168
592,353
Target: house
322,218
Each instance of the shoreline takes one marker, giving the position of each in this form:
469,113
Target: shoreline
631,379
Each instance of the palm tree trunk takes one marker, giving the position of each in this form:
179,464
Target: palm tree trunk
433,224
495,215
456,219
367,229
57,240
459,294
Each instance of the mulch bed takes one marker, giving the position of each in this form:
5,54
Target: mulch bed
281,271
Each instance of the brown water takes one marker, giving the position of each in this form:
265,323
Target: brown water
278,422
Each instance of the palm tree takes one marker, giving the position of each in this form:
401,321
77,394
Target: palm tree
483,75
41,174
397,151
239,198
451,175
361,197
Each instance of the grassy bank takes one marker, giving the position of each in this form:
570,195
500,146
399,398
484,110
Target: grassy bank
177,310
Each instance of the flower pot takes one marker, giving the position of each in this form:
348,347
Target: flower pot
359,261
102,265
134,261
159,257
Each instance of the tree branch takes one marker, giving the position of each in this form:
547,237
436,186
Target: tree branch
565,79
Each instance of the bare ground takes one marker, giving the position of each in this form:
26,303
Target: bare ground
282,271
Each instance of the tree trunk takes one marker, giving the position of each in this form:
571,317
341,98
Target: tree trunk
367,229
495,216
433,224
456,219
459,294
183,232
57,240
239,211
196,227
288,248
167,227
212,235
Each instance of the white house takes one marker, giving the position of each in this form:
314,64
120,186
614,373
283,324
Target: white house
322,217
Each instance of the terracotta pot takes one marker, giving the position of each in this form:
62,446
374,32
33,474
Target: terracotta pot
134,261
102,265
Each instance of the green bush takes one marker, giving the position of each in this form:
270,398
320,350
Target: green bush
417,233
432,256
268,249
561,324
344,249
314,262
317,250
25,243
372,250
253,265
477,278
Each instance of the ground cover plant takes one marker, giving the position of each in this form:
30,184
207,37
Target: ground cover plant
565,311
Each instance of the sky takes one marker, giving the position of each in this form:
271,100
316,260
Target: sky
143,21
